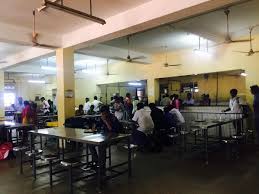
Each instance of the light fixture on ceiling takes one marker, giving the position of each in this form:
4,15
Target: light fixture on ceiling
37,81
135,84
243,74
47,67
62,7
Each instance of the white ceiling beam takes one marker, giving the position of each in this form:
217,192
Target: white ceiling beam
143,17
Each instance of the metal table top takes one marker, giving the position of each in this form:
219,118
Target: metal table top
13,125
210,123
80,135
89,116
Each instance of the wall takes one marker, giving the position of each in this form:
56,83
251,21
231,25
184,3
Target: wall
208,85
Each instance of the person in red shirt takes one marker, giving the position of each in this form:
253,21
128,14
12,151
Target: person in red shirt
26,113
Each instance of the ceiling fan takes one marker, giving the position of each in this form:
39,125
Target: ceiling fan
228,38
251,51
2,62
166,64
107,69
35,35
130,59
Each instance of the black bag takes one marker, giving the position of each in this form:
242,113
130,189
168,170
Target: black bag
75,122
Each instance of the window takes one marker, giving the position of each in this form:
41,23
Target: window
9,99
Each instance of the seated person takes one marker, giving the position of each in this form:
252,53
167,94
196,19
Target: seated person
91,110
157,117
108,124
80,111
189,101
170,120
177,116
145,126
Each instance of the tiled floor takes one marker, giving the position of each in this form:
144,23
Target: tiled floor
154,173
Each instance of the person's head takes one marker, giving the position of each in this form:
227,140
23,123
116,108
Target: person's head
233,93
163,96
136,98
254,89
92,107
117,99
189,96
42,99
95,98
20,100
34,106
121,99
171,97
167,95
105,111
26,103
140,106
86,99
12,105
176,96
152,106
207,96
128,95
80,107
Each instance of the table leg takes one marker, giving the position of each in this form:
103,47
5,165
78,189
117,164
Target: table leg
31,141
129,159
206,147
63,149
220,133
99,173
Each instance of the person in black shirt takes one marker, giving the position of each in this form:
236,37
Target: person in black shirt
108,124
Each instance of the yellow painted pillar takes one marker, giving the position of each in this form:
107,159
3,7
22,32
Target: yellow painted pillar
2,113
153,89
65,84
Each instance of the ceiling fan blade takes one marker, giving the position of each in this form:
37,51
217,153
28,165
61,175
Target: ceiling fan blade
35,44
175,65
1,62
140,57
240,52
119,59
237,41
256,51
139,62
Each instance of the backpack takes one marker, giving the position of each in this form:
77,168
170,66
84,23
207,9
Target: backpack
5,148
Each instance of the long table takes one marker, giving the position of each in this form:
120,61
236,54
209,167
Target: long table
206,125
100,140
7,127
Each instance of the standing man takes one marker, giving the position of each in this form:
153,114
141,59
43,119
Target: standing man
87,105
235,109
20,106
45,105
96,104
255,92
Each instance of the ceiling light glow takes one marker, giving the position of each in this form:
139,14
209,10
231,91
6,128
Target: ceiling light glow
134,84
37,81
243,74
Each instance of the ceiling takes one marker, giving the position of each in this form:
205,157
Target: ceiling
10,49
181,35
19,13
185,34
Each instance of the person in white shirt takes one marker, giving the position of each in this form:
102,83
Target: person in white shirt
96,104
235,109
189,101
87,105
145,126
178,115
19,106
45,105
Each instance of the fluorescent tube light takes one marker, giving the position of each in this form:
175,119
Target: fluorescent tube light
243,74
134,84
37,81
49,68
75,12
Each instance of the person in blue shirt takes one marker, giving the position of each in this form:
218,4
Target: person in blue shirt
255,92
107,124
